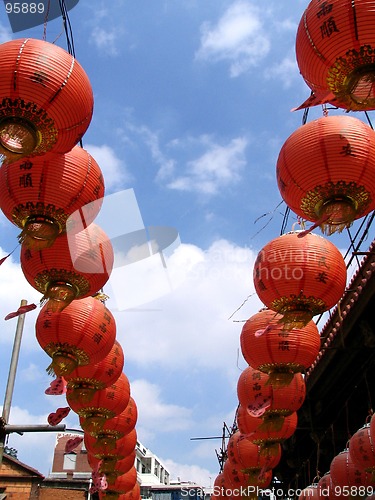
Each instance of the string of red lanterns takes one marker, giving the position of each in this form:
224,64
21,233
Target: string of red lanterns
52,189
325,174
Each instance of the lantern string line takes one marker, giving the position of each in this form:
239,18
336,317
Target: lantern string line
46,21
368,119
67,28
269,220
240,307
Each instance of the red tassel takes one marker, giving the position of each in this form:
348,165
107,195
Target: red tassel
20,310
318,223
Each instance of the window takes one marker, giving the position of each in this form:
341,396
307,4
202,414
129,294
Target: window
70,460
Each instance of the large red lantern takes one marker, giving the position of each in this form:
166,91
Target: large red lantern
87,379
81,334
345,474
299,276
267,438
74,267
362,449
260,398
326,171
106,403
280,353
245,455
119,426
46,100
334,48
40,194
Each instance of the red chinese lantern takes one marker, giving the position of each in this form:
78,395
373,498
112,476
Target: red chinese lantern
40,194
280,353
362,449
119,426
75,267
243,479
88,379
106,403
334,48
81,334
261,399
337,154
345,474
299,277
107,449
110,494
247,456
46,100
267,438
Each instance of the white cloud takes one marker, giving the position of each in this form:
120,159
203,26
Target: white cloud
286,70
202,477
219,166
238,37
106,40
216,283
155,415
114,170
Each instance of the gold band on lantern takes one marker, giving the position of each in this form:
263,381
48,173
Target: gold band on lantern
341,202
297,310
66,357
280,375
48,277
23,212
32,123
351,78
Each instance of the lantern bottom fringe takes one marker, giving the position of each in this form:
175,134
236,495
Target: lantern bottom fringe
272,422
65,358
268,448
104,439
282,375
62,364
108,465
83,393
59,295
94,422
39,232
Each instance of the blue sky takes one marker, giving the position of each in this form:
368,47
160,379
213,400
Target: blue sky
192,105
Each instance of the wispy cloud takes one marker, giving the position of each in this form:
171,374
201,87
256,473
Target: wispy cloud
286,71
219,166
115,172
106,40
238,37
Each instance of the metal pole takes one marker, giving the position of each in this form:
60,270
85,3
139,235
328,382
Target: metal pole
20,429
11,378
